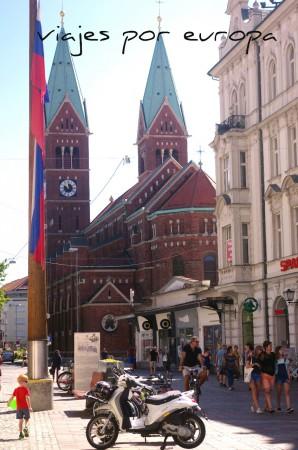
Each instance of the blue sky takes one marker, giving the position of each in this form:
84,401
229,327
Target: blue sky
113,85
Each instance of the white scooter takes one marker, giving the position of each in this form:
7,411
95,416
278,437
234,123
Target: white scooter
129,406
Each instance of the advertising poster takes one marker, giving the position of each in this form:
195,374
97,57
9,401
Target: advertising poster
86,358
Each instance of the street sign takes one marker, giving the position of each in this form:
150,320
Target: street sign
250,304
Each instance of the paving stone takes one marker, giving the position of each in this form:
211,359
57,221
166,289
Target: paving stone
231,426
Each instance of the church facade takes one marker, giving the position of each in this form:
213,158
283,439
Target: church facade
100,273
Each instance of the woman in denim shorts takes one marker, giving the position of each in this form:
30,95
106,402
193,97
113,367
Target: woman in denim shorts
255,381
282,379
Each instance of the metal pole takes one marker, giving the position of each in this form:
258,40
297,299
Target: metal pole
77,292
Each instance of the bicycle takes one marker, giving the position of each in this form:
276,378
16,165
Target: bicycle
196,379
65,380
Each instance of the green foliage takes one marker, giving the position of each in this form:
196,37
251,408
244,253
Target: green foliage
3,298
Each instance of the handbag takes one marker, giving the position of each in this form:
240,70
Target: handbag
247,374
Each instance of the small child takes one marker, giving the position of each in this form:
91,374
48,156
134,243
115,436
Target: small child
22,395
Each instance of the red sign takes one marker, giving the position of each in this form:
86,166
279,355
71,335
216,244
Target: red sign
280,312
229,251
288,264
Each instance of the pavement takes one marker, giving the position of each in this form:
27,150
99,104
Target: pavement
231,424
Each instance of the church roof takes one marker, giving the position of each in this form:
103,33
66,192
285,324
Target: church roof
63,83
160,86
198,191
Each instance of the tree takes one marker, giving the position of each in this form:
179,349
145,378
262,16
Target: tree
3,297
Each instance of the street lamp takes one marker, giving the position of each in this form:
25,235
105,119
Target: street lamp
289,296
76,251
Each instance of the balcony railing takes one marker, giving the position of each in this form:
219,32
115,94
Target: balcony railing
237,122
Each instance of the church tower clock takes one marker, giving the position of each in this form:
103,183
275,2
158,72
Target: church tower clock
67,153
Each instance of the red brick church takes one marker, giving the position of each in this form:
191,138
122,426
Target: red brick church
163,226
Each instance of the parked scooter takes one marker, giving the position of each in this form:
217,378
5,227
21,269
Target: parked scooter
130,406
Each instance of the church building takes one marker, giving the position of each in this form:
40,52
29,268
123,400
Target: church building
103,271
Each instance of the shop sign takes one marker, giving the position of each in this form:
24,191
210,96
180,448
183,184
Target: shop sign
250,304
229,251
288,264
280,312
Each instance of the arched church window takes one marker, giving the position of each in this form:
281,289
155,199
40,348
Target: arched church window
166,154
67,158
210,271
58,158
158,157
290,65
234,103
59,222
178,266
141,165
175,154
272,80
77,223
242,100
76,158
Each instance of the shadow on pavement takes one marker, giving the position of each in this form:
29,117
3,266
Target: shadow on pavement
233,408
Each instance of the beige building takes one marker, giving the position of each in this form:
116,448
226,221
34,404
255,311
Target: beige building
14,314
256,153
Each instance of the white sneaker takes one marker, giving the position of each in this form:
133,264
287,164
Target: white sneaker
259,411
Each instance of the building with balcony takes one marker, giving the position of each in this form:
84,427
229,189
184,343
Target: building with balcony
256,153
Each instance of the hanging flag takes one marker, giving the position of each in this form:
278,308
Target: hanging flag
37,128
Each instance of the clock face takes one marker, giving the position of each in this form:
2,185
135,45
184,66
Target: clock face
68,188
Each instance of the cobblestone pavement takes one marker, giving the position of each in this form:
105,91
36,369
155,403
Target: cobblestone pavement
231,425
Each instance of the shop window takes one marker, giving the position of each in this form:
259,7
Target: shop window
247,328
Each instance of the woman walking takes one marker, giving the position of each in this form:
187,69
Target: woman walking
267,363
255,380
230,366
282,379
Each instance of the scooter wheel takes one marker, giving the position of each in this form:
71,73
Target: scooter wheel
197,428
98,438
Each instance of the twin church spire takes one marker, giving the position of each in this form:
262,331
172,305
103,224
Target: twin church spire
63,83
160,113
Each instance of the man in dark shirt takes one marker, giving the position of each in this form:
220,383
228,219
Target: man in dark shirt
191,357
153,360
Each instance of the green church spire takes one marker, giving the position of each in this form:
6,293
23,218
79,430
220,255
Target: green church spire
160,85
63,83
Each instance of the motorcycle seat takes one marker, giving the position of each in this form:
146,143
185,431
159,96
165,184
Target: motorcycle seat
159,399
